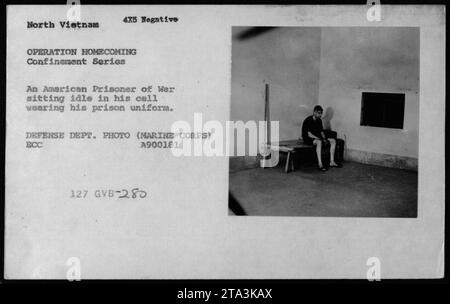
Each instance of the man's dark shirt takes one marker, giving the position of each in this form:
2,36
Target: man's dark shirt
311,125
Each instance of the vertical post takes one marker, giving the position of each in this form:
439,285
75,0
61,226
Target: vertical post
264,161
267,114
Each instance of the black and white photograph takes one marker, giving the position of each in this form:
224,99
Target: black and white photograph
347,103
224,142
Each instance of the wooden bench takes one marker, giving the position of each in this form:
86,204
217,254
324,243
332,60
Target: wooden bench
290,147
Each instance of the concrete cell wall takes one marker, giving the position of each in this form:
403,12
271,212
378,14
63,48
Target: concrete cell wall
354,60
288,59
305,66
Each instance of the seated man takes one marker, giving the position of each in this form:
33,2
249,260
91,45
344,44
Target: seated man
313,133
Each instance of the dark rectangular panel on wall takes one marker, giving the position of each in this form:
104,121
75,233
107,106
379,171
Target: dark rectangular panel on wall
384,110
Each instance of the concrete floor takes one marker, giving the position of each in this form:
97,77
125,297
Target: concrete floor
356,190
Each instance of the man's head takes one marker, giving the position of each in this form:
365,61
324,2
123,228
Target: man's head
317,111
